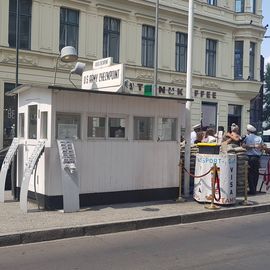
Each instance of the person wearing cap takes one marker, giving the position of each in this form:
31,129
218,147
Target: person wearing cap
253,145
193,135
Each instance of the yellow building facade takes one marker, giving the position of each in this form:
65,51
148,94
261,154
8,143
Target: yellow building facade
226,52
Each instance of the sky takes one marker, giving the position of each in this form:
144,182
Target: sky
266,41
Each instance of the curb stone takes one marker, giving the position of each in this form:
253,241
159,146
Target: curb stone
131,225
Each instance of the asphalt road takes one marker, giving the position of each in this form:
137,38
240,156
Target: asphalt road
235,243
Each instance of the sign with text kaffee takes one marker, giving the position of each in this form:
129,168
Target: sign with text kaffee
104,79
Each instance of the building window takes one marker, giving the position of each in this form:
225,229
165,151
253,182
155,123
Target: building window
96,127
167,129
181,52
238,59
143,128
148,45
32,122
25,14
21,125
210,63
209,115
68,126
69,28
234,115
251,60
212,2
253,6
44,125
117,127
239,6
111,38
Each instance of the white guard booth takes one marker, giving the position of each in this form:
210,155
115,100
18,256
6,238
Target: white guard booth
226,163
124,147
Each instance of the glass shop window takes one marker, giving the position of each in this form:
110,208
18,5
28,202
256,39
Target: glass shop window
96,127
44,125
21,125
32,122
143,128
68,126
167,129
117,127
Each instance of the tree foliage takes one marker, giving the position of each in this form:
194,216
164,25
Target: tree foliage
266,99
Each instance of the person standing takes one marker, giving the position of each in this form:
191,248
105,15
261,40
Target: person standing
193,135
254,145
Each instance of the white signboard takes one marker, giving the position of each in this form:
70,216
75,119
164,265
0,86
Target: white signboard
6,163
70,177
103,79
29,167
102,63
227,178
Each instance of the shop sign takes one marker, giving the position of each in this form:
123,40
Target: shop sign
138,88
104,79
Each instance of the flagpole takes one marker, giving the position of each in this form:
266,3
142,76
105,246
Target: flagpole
156,48
188,96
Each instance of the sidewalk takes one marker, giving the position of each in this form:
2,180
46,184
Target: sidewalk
17,227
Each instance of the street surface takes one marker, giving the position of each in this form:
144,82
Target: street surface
235,243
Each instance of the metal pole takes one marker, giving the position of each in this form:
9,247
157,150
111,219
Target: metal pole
14,162
188,96
156,48
17,42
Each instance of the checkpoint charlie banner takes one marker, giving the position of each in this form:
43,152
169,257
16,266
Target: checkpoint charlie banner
227,176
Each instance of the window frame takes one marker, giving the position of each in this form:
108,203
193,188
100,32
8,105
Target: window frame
252,48
79,133
108,35
105,127
173,129
123,117
239,6
238,59
136,137
212,2
34,125
21,125
148,46
44,125
209,104
67,26
181,44
25,19
211,57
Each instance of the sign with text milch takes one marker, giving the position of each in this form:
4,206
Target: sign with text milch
103,79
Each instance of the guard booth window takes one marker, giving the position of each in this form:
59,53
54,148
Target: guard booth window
32,122
44,125
21,125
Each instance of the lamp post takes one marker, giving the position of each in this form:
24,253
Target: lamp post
188,96
68,55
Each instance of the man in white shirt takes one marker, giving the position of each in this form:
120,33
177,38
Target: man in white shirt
193,135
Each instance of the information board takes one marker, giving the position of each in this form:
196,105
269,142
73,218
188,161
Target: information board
28,169
5,166
70,176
